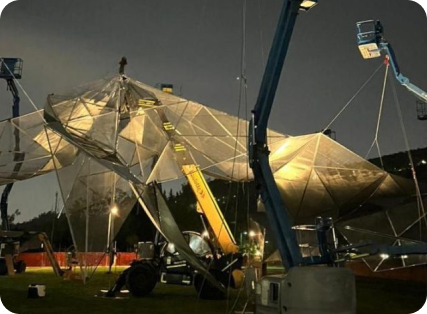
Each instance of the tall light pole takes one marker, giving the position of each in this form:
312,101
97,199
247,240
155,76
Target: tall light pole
110,249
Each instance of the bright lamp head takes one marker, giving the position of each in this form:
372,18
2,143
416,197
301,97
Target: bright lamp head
114,210
307,5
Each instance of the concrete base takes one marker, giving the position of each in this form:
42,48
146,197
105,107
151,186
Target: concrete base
308,290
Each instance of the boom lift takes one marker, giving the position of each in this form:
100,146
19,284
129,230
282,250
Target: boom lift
371,43
159,261
305,289
11,69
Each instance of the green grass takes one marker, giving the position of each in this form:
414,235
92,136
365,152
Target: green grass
389,296
74,297
374,296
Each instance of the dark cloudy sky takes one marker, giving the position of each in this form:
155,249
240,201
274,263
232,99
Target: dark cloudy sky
196,45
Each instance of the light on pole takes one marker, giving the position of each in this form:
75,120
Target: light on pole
113,212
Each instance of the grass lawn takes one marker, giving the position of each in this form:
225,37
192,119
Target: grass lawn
374,296
387,296
73,297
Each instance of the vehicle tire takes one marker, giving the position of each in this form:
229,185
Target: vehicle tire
206,290
141,279
20,267
3,267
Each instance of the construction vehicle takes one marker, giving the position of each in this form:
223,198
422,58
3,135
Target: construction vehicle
11,241
159,261
216,247
371,42
14,242
11,69
314,283
9,263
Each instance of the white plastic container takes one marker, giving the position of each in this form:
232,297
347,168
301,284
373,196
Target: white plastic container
36,291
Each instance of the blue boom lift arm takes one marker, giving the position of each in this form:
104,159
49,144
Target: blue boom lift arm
11,69
257,143
325,282
276,210
371,42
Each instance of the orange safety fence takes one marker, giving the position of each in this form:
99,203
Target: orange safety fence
92,259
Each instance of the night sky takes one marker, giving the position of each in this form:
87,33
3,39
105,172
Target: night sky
196,45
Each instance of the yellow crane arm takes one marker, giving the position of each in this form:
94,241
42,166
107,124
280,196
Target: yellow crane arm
210,209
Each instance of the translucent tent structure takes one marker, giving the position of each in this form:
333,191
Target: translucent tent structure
112,138
400,225
35,154
319,177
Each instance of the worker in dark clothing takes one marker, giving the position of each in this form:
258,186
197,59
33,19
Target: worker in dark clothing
122,63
